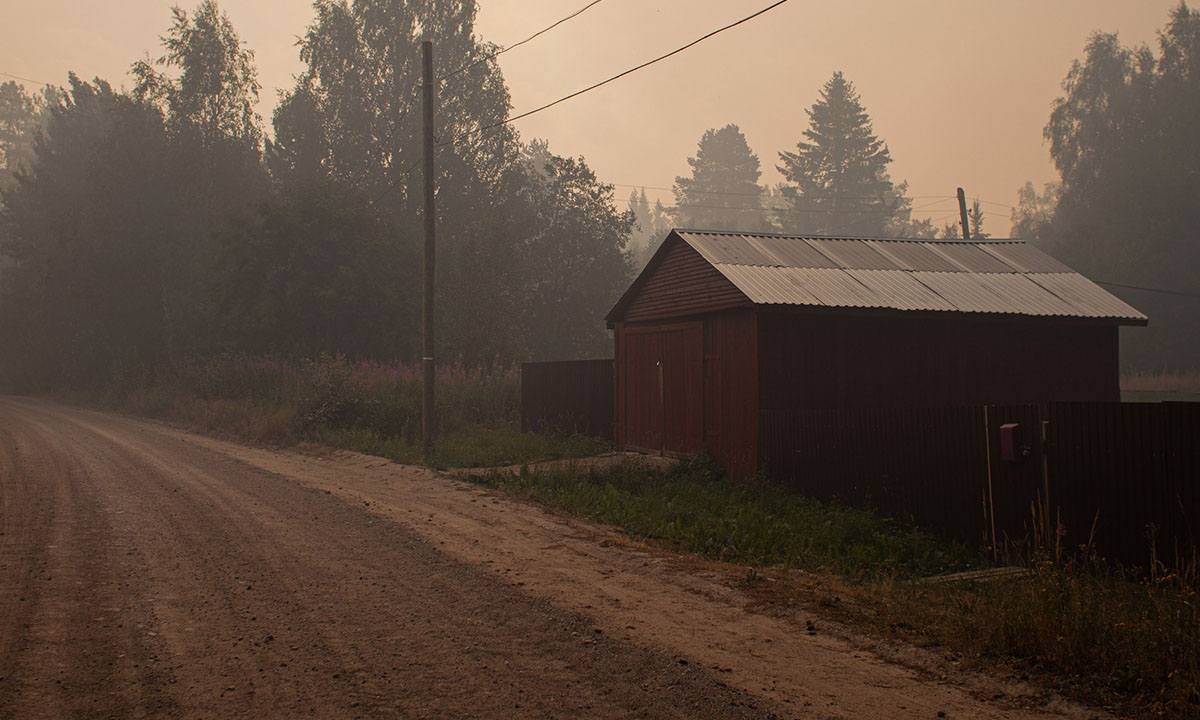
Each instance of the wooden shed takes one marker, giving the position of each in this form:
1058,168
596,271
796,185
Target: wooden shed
721,326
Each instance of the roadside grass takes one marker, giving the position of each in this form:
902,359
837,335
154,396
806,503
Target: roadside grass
473,448
692,507
1126,640
367,407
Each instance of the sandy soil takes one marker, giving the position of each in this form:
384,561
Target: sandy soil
147,572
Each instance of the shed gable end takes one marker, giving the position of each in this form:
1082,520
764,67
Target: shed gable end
680,283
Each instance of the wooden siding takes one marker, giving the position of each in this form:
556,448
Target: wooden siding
683,389
731,391
681,284
811,361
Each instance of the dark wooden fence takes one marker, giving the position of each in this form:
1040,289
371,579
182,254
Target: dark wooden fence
916,464
1131,471
1122,477
573,396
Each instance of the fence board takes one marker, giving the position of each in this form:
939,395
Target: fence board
1131,471
574,396
924,465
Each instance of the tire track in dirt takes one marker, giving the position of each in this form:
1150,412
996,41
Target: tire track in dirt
66,590
234,591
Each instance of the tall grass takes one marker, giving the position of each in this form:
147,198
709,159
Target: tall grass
366,406
1108,635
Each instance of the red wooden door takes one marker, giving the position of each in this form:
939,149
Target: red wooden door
683,388
643,395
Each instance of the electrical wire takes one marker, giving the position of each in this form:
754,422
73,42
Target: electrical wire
814,197
616,77
25,79
396,125
1161,291
396,181
780,210
529,39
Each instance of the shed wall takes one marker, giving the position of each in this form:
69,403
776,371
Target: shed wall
685,387
682,284
731,391
817,361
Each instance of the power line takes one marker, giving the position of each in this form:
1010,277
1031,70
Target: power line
735,194
646,64
815,211
1003,205
1161,291
529,39
396,125
396,181
25,79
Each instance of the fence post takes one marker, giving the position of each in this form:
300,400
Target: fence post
987,444
1051,526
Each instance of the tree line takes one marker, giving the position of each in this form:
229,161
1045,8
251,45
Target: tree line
165,222
161,223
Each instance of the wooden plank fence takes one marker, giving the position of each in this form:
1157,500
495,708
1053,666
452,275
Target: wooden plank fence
1123,477
1129,471
572,396
923,465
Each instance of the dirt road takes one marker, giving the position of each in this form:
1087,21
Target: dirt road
146,572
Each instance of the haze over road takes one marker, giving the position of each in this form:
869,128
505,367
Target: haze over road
145,572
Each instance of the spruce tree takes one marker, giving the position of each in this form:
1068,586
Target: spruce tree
723,192
838,174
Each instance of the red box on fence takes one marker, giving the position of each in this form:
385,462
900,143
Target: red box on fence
1010,442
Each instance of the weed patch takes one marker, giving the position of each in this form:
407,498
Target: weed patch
691,507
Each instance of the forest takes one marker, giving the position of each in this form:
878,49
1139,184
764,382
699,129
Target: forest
169,223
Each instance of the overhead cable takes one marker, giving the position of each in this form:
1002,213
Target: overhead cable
614,78
531,38
25,79
1160,291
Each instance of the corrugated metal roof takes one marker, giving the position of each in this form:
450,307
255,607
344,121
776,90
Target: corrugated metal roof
1026,258
988,276
914,256
854,254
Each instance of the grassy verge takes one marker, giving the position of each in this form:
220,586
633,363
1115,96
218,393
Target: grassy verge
691,507
366,407
1100,634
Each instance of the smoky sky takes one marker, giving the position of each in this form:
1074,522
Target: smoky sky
959,90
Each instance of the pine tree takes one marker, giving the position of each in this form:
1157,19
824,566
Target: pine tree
653,223
723,192
839,173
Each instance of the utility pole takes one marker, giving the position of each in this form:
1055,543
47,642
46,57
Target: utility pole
962,213
427,414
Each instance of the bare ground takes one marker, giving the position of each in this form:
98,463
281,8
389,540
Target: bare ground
147,572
